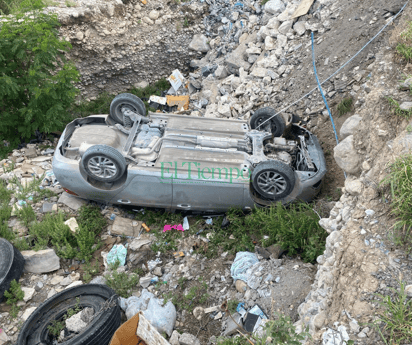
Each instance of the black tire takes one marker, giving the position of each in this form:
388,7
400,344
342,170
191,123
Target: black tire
129,101
275,125
265,172
97,155
99,332
11,265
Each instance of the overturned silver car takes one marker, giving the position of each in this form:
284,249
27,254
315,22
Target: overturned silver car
188,163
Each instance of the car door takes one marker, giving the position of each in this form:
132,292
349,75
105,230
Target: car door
146,188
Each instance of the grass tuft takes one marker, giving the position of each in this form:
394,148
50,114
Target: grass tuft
399,180
404,47
345,106
396,109
394,323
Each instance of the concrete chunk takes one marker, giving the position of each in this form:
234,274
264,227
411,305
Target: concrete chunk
71,201
42,261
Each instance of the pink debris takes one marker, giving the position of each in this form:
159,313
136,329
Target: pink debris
169,227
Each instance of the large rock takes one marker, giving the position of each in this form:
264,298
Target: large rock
42,261
72,201
274,6
300,28
235,60
346,156
353,187
199,43
349,126
75,323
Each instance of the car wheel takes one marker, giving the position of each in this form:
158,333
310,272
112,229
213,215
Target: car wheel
104,163
99,331
11,265
273,179
275,125
129,101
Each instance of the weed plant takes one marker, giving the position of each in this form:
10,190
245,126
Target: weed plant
396,109
345,106
404,47
58,325
394,322
399,180
277,331
122,283
13,295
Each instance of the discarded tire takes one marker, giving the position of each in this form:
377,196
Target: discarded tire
276,125
99,331
11,265
128,101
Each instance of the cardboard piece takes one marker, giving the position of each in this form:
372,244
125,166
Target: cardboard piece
176,79
180,101
303,8
138,331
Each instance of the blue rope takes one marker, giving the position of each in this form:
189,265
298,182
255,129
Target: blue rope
340,68
321,92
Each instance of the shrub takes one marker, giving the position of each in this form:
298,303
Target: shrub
36,82
91,218
295,228
122,283
399,181
13,295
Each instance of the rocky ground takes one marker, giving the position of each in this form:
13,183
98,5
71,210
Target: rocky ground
253,56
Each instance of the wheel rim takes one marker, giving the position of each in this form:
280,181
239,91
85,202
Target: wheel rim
271,182
103,167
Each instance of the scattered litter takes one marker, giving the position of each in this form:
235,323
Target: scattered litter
112,216
303,8
169,227
212,309
243,261
153,263
145,227
157,99
117,253
177,254
182,101
209,221
163,318
72,224
185,223
176,79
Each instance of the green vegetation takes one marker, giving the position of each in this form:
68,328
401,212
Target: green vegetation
90,271
58,325
70,3
394,322
13,295
122,283
295,228
263,2
232,305
36,82
396,109
91,219
187,298
404,47
399,180
186,23
101,104
278,331
345,106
